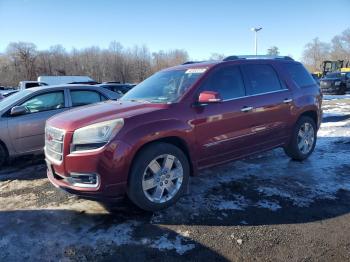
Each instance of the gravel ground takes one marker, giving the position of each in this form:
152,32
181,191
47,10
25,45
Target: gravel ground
264,208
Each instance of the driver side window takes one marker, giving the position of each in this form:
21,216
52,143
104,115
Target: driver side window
227,81
45,102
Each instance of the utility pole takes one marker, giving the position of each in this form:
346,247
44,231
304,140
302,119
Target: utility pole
256,30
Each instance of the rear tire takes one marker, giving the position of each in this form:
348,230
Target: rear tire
303,139
159,177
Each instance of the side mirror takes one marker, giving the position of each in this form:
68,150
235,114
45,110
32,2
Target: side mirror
209,97
18,110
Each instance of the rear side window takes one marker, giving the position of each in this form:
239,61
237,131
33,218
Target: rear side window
85,97
261,79
300,75
227,81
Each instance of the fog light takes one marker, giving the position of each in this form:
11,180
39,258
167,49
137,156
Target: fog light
83,180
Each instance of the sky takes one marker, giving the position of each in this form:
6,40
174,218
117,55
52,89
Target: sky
200,27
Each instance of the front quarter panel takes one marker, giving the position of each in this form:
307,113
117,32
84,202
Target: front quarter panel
143,134
138,133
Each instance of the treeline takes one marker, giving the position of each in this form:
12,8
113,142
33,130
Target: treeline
317,51
23,61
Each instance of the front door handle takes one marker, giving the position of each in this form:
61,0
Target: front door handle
247,109
287,100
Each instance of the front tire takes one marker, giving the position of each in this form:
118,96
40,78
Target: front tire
159,177
303,139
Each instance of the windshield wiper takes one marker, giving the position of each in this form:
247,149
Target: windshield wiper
139,101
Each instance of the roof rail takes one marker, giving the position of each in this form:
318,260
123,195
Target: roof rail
234,57
192,62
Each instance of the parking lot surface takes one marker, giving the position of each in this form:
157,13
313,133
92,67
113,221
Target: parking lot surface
265,207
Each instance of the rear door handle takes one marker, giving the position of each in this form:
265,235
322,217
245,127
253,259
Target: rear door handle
247,109
287,100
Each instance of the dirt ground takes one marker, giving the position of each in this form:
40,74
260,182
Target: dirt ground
264,208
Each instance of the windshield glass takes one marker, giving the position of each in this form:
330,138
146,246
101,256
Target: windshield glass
13,98
334,75
165,86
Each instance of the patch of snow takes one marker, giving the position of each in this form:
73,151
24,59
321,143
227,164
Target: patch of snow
240,203
184,233
300,201
156,218
163,243
335,97
224,205
335,124
272,205
118,234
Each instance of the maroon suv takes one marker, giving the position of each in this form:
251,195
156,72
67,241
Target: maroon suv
179,121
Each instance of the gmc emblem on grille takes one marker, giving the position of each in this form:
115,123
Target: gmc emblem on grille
49,137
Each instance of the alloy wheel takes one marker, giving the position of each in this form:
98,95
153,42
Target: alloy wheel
162,178
306,138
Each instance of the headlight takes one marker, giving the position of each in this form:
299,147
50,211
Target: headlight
337,83
96,135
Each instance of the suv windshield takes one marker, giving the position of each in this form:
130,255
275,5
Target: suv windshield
165,86
334,75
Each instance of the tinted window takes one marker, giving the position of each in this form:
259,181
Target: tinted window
85,97
227,82
30,85
300,75
45,102
261,79
334,75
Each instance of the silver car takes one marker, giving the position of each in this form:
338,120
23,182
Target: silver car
23,115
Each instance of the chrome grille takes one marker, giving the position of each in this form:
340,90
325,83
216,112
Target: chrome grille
54,143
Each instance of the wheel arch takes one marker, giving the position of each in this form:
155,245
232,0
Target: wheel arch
173,140
312,114
5,147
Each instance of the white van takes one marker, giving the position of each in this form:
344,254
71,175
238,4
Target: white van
29,84
59,80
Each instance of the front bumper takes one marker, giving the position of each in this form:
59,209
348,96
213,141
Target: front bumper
109,165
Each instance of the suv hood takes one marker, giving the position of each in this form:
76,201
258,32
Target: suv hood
91,114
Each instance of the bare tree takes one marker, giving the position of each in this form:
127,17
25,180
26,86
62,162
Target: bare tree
216,56
23,61
315,52
340,49
23,56
273,51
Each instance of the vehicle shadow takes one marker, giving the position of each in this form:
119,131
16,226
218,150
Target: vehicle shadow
262,190
335,118
265,189
77,236
24,168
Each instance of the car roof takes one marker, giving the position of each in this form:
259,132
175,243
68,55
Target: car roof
209,64
70,86
115,84
110,94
